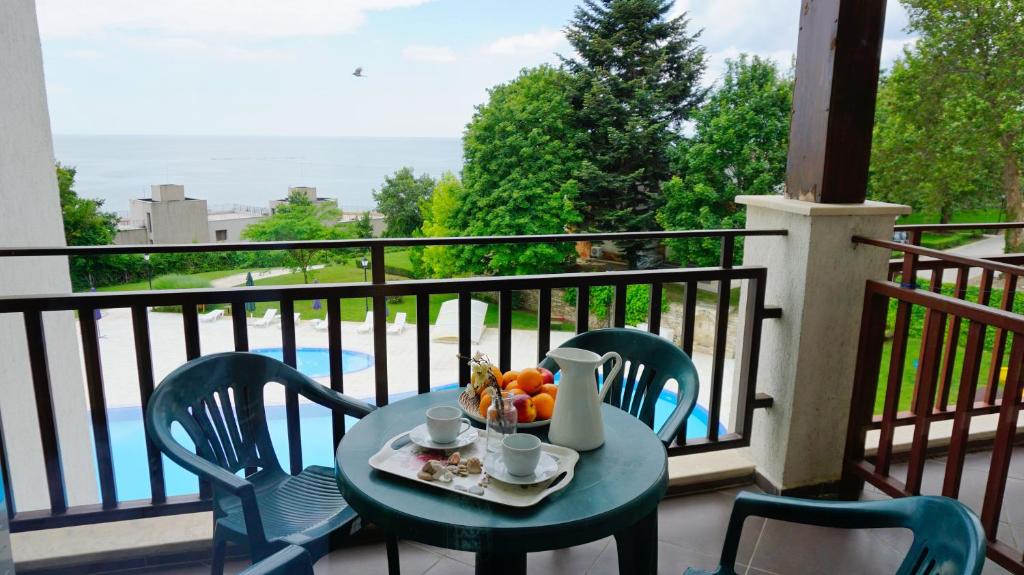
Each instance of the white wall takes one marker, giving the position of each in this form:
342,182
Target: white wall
233,226
30,215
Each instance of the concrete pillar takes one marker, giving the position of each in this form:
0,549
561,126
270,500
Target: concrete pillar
30,216
817,276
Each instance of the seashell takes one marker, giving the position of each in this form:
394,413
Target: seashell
474,466
425,476
454,458
461,488
444,477
484,481
476,490
462,470
452,468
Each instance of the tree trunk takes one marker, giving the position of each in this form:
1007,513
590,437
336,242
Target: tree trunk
945,213
1012,193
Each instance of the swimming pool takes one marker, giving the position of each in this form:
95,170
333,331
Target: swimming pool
316,361
131,471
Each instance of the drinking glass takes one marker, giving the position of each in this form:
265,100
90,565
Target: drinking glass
500,422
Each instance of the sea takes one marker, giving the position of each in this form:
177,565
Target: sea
247,170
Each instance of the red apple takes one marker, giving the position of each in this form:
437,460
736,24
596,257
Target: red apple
546,374
525,409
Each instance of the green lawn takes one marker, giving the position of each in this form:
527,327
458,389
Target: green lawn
910,371
144,284
945,241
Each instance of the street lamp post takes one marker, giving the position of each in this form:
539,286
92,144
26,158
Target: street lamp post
149,270
365,263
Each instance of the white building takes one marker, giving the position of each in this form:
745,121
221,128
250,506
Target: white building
170,217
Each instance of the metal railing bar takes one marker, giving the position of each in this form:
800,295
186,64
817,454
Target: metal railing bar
334,363
465,317
504,330
208,296
289,355
239,327
97,406
940,255
144,366
190,323
423,342
953,227
582,308
654,309
41,384
543,323
619,313
372,243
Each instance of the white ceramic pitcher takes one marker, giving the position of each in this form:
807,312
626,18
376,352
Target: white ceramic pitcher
577,422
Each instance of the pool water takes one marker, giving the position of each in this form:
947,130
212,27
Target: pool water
127,435
316,361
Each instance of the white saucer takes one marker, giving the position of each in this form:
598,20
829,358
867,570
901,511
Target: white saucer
547,468
421,437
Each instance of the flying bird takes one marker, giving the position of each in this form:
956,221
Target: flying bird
359,72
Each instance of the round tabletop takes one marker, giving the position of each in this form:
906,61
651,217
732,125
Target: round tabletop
615,486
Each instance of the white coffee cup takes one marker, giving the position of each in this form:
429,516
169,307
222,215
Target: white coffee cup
445,423
520,453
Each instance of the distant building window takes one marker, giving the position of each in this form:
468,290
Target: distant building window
222,235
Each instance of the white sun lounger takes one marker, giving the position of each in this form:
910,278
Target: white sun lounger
367,325
399,325
320,324
267,318
211,316
446,328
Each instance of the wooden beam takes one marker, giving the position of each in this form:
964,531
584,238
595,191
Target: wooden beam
837,61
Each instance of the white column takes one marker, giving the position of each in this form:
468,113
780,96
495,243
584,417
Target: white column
30,215
816,274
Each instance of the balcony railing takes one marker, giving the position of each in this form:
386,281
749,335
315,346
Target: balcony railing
111,508
950,383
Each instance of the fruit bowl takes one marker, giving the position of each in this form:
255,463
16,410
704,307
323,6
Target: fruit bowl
470,405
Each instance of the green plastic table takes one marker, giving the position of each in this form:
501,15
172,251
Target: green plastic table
615,491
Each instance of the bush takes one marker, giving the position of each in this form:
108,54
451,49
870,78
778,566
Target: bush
602,298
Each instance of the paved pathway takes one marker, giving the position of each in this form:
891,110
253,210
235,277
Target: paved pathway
239,279
987,246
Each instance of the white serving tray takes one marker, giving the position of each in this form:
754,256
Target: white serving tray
401,457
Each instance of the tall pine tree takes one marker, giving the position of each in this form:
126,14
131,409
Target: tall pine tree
636,80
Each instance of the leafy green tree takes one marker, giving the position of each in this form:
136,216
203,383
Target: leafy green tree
298,219
399,200
85,224
925,150
438,211
363,228
738,148
636,80
520,154
951,114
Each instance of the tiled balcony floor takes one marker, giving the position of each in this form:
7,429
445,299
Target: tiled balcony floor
690,533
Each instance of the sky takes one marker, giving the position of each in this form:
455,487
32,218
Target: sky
284,67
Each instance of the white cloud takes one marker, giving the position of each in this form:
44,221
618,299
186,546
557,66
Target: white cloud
420,53
234,19
177,47
85,54
892,48
530,43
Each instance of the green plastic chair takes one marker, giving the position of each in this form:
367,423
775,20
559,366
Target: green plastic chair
292,560
218,401
661,361
948,537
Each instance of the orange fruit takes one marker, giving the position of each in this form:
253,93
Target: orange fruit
512,385
508,378
517,391
485,402
550,389
545,405
530,380
497,375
